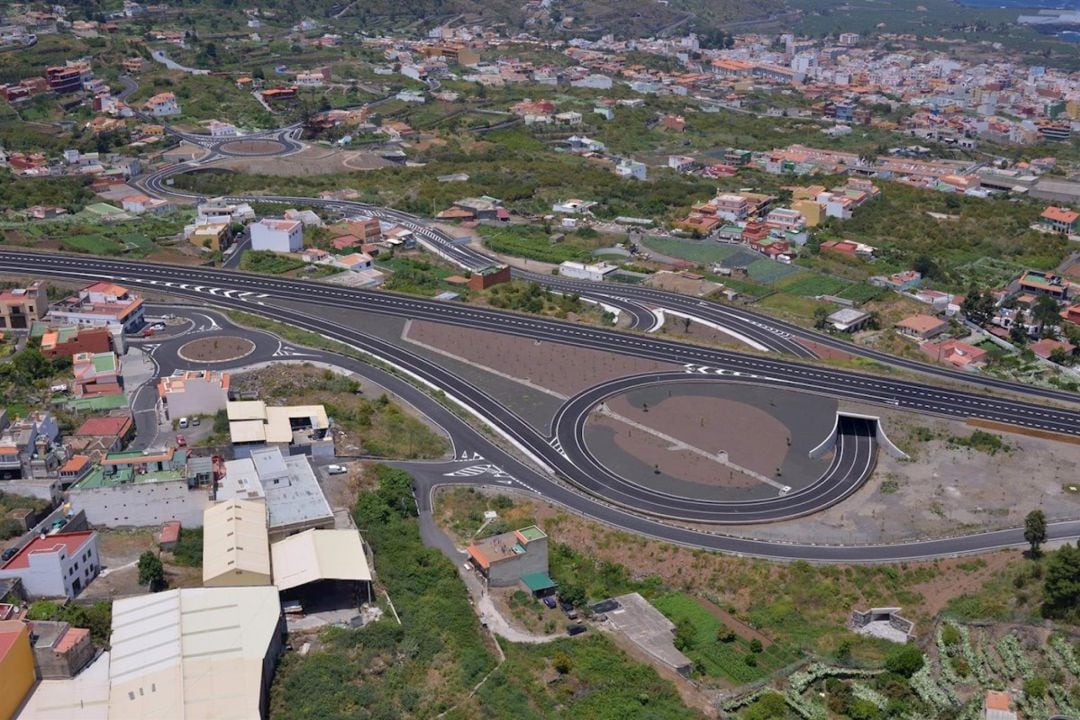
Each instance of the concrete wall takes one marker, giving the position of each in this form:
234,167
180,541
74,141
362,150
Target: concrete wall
141,505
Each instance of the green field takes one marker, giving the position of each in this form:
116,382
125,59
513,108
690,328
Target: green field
815,285
532,242
703,253
716,658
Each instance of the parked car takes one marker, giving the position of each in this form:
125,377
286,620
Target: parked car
336,469
8,554
183,423
566,607
575,629
195,421
146,332
181,441
549,601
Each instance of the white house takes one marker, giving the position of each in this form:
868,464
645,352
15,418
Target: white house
573,207
280,236
222,129
631,169
163,105
580,271
594,82
356,261
59,565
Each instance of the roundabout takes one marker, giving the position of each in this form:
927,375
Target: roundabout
252,148
216,349
723,492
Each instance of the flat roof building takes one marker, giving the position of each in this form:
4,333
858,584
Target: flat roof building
59,565
252,422
506,558
294,500
195,653
236,550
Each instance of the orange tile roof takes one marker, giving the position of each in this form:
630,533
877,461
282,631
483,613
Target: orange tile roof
1057,214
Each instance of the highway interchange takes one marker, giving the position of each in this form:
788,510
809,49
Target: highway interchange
564,456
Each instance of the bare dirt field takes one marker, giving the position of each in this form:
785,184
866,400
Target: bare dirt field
677,282
216,349
252,147
653,451
945,488
560,368
119,551
677,329
312,160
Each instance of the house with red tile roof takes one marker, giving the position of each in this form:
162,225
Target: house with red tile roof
1045,347
956,353
113,431
921,326
1059,219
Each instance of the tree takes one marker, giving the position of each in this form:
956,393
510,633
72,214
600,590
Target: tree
821,317
151,571
755,646
767,707
685,634
1035,688
1045,311
724,634
977,307
1061,583
573,594
904,660
1018,333
1035,530
562,663
1059,356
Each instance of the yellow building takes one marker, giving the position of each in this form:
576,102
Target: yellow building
807,193
214,236
812,211
1072,109
17,674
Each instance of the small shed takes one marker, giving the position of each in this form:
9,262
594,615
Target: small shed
170,535
539,583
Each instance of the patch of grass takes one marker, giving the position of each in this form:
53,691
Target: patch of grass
189,549
815,285
532,242
981,441
712,655
271,263
700,252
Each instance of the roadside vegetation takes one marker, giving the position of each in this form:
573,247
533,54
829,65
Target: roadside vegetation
427,664
369,425
792,623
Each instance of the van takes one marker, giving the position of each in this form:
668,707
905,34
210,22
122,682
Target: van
183,423
575,629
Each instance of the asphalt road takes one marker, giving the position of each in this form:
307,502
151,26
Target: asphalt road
251,289
520,433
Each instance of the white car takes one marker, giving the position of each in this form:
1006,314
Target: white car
336,469
183,423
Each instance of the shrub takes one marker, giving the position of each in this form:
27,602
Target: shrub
904,660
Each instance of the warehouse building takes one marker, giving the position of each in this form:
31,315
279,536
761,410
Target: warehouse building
195,653
316,565
236,551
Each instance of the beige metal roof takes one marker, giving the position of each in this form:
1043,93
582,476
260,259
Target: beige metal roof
246,410
278,427
191,654
245,431
319,555
236,549
85,696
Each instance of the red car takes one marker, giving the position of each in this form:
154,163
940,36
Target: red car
181,441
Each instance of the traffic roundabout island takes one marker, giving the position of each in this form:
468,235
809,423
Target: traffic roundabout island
216,349
716,450
252,148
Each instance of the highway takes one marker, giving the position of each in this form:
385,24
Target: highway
900,394
232,291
